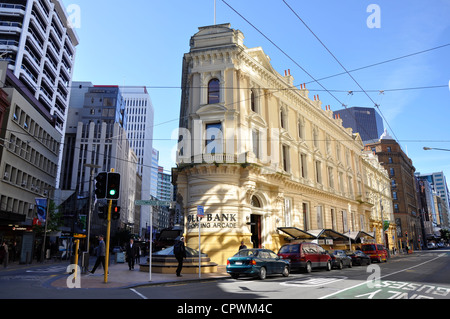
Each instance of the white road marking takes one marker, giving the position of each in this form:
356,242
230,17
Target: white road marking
138,293
396,272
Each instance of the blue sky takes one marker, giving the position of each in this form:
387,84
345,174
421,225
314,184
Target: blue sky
142,42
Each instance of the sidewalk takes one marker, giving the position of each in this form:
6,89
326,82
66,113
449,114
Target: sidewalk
121,277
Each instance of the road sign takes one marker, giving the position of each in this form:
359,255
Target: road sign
153,202
200,211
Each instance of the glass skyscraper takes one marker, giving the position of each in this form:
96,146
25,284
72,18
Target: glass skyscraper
364,120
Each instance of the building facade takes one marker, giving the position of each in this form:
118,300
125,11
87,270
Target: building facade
96,136
29,153
438,183
404,193
263,159
39,44
139,128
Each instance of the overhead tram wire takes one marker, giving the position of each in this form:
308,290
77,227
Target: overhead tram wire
337,60
290,58
281,50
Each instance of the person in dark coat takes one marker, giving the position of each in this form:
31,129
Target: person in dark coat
179,251
101,253
131,253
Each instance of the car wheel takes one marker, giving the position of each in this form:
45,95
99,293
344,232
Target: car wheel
235,276
341,265
286,271
350,264
308,267
328,265
262,273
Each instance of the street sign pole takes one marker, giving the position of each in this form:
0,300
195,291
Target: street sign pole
151,245
151,203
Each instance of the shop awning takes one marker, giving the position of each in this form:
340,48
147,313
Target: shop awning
355,235
328,233
296,233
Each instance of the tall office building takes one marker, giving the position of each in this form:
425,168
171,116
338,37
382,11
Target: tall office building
165,187
39,44
139,128
29,148
364,120
438,183
96,135
139,109
154,181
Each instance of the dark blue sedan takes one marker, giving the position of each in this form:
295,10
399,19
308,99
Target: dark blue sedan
257,263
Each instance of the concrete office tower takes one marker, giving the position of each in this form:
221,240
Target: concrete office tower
96,135
29,148
165,187
364,120
438,182
155,165
39,44
139,128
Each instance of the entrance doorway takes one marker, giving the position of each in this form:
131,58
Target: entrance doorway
255,223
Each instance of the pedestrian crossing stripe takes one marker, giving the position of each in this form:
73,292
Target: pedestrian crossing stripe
312,281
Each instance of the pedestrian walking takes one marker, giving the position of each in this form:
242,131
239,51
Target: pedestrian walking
137,255
101,253
179,251
4,254
131,253
14,251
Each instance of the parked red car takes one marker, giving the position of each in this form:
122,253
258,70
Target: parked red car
376,252
305,256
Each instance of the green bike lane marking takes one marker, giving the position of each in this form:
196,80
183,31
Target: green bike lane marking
385,289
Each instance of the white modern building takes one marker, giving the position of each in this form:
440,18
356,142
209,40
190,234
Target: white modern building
39,44
139,130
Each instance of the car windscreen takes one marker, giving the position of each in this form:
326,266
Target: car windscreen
368,248
289,249
246,253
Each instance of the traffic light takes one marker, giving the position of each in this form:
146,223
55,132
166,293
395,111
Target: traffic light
103,212
115,212
100,185
113,186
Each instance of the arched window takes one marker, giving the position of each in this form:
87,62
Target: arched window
213,91
255,202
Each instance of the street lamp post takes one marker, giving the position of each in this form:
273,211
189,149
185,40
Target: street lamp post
433,148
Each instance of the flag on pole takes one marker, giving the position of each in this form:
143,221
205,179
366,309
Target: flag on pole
41,206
